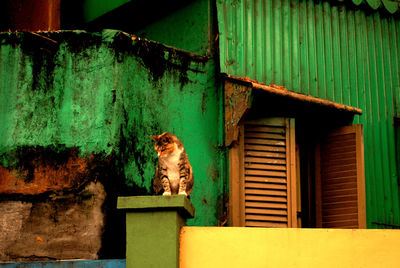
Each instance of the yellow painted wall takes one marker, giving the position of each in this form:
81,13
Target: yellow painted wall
262,247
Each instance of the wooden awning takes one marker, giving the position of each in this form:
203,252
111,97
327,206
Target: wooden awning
238,98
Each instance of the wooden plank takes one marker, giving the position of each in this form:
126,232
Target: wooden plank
265,192
339,205
338,162
265,160
266,205
291,168
264,173
265,148
242,170
338,159
340,192
350,226
264,166
265,180
338,175
266,218
266,211
337,143
270,121
265,154
329,169
342,131
341,180
336,135
265,129
341,155
266,198
340,217
338,199
266,186
234,184
341,224
362,218
338,211
265,142
340,138
298,188
343,144
337,149
266,224
338,186
269,136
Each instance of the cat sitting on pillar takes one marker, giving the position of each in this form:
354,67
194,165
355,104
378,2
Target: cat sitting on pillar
174,173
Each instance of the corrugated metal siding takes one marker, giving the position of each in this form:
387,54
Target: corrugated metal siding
332,51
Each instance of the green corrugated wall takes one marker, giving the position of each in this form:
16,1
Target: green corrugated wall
333,50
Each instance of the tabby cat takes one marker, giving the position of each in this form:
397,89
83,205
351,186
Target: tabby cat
174,173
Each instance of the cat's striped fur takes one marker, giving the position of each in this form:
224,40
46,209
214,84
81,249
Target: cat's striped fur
174,173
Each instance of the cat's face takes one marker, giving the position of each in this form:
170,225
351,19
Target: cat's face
165,144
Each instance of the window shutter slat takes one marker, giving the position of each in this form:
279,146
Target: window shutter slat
340,186
267,182
264,180
265,224
265,142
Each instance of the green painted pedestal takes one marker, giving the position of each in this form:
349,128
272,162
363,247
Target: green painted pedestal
153,226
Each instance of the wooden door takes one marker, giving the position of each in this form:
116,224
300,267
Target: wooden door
268,176
340,182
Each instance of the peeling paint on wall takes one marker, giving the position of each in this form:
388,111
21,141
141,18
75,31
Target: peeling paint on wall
37,170
77,108
67,228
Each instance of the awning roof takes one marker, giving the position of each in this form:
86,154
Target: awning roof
283,92
238,100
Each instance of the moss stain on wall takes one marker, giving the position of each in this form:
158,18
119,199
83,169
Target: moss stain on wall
77,108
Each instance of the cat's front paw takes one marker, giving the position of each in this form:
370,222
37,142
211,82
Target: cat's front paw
183,193
166,193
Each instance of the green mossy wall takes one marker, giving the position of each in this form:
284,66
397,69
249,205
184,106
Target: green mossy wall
103,94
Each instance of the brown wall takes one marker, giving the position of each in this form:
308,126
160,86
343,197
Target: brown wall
30,15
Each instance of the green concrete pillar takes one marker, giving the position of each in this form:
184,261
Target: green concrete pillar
153,225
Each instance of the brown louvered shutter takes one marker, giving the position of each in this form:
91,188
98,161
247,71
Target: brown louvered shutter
269,179
340,186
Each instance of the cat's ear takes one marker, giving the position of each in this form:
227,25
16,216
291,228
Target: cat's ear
155,138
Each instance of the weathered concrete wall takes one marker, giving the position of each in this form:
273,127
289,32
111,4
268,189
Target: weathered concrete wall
61,227
76,111
113,263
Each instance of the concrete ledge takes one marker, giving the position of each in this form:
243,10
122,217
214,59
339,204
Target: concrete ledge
146,203
270,247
